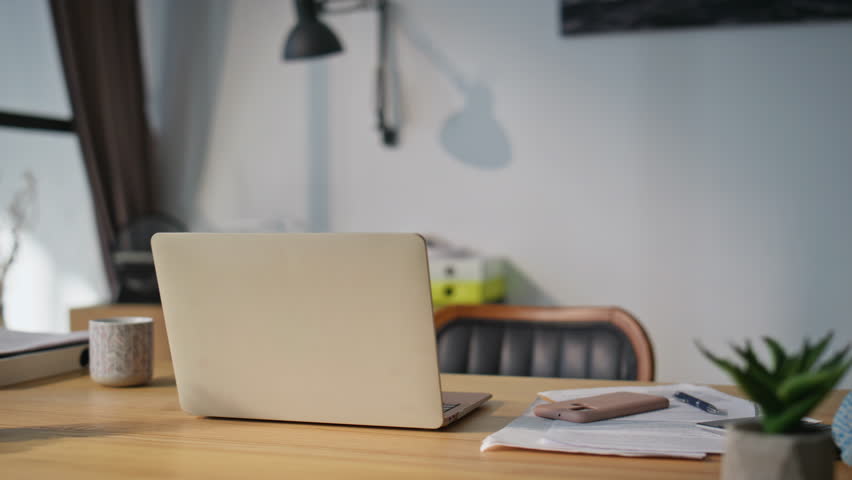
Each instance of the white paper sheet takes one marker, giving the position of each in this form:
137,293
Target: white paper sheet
670,432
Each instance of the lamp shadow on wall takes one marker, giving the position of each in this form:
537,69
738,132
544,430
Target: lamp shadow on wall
472,135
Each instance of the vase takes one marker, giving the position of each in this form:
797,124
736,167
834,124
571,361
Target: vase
841,429
752,454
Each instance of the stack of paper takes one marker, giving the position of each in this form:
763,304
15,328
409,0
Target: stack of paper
670,432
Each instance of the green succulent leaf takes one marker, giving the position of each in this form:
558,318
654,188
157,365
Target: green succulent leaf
756,389
800,385
788,420
791,366
835,359
800,358
750,358
754,367
810,357
779,357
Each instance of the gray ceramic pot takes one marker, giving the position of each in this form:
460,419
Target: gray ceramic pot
120,351
751,454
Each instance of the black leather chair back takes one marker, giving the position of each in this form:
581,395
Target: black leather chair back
542,349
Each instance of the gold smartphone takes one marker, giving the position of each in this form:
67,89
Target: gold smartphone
601,407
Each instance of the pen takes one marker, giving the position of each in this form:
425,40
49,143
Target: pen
698,403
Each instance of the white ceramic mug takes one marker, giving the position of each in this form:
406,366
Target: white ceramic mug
120,351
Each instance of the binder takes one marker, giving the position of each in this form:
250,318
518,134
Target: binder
28,356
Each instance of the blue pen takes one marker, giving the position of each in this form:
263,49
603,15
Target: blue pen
698,403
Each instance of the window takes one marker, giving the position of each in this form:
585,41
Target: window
58,265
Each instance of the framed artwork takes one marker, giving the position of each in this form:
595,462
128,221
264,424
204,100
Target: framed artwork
600,16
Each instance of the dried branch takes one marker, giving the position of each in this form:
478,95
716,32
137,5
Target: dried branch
18,212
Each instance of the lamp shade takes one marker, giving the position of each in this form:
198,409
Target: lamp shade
310,37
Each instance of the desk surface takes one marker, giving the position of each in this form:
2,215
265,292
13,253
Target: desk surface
73,428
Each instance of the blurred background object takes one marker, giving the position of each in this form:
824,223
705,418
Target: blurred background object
134,262
462,277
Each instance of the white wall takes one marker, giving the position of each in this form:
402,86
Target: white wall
176,35
59,264
698,178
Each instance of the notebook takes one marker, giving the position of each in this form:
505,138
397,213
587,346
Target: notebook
330,328
27,356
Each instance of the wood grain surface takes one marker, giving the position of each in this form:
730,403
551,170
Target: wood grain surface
70,428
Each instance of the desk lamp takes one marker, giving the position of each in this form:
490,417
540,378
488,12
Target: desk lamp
311,38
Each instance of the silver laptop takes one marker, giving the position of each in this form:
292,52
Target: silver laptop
331,328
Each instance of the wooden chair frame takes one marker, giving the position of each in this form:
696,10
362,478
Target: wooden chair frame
618,317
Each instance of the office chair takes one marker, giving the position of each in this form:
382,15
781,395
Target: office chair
569,342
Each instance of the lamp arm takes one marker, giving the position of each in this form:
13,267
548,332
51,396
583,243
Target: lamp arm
390,134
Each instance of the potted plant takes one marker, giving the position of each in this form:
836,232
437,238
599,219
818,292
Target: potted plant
778,445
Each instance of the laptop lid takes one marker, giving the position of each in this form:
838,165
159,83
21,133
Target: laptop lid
332,328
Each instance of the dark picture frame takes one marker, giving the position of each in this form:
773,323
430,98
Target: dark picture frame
599,16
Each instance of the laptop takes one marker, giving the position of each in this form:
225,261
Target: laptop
328,328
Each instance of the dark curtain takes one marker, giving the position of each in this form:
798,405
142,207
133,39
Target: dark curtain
99,45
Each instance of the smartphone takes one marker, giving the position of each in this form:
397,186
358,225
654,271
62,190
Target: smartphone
718,426
601,407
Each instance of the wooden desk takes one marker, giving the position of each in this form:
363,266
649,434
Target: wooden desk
72,428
